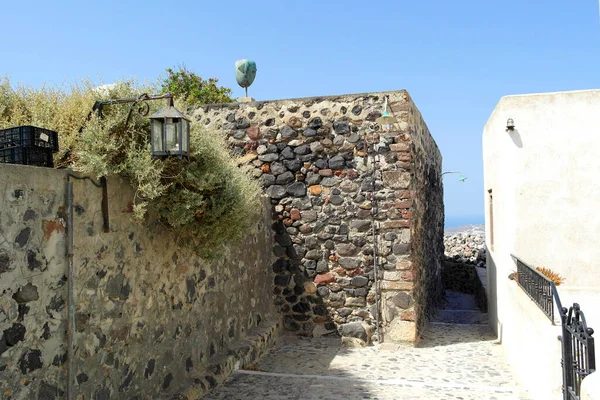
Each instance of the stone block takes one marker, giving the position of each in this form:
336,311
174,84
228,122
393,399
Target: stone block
349,263
402,146
346,249
403,300
324,279
405,194
360,225
355,302
392,275
403,204
396,285
315,190
354,329
401,223
400,331
401,248
396,179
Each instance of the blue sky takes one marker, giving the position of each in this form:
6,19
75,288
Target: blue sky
456,58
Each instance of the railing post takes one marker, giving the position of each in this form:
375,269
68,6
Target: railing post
591,350
567,358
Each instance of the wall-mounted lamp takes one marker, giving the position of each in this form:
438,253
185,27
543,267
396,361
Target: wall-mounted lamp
169,128
462,178
510,125
169,132
386,120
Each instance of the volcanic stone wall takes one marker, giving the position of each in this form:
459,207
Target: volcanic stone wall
152,320
350,199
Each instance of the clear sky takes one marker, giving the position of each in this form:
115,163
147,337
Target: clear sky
456,58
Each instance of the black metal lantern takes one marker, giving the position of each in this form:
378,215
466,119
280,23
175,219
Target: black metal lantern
510,125
169,132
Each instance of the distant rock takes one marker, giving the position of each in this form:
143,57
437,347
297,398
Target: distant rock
466,246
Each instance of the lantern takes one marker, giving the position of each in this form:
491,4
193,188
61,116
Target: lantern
510,125
169,132
386,120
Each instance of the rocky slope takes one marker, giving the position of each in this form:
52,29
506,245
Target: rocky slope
466,247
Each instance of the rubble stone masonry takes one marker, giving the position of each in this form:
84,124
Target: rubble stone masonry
349,197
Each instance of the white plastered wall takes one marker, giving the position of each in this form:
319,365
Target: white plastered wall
545,182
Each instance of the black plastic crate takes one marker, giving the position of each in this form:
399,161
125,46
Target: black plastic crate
36,156
29,136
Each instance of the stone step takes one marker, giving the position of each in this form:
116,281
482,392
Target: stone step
470,317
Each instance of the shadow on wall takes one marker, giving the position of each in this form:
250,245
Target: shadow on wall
492,295
301,300
516,138
296,294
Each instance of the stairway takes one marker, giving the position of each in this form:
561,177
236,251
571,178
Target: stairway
460,308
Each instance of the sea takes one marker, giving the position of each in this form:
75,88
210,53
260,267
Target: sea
455,221
455,224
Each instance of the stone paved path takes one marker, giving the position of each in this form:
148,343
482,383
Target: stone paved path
451,362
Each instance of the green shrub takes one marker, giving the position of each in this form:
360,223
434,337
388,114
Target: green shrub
207,199
193,89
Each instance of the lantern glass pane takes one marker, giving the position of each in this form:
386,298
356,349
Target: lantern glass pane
185,133
172,144
156,131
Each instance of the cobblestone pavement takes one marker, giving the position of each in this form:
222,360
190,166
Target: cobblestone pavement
451,362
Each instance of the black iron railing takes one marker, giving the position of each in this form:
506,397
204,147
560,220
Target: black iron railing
578,359
578,352
537,286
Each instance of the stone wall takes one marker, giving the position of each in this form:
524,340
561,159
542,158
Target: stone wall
151,318
426,230
349,198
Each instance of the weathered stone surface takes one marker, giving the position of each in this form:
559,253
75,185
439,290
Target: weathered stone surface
336,200
137,268
288,133
297,189
276,191
353,329
396,179
285,178
393,275
401,248
30,361
23,237
50,392
313,255
402,300
268,157
337,162
346,249
4,262
399,285
355,302
14,334
324,279
293,165
341,127
360,281
315,190
360,225
315,123
401,331
349,263
26,294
